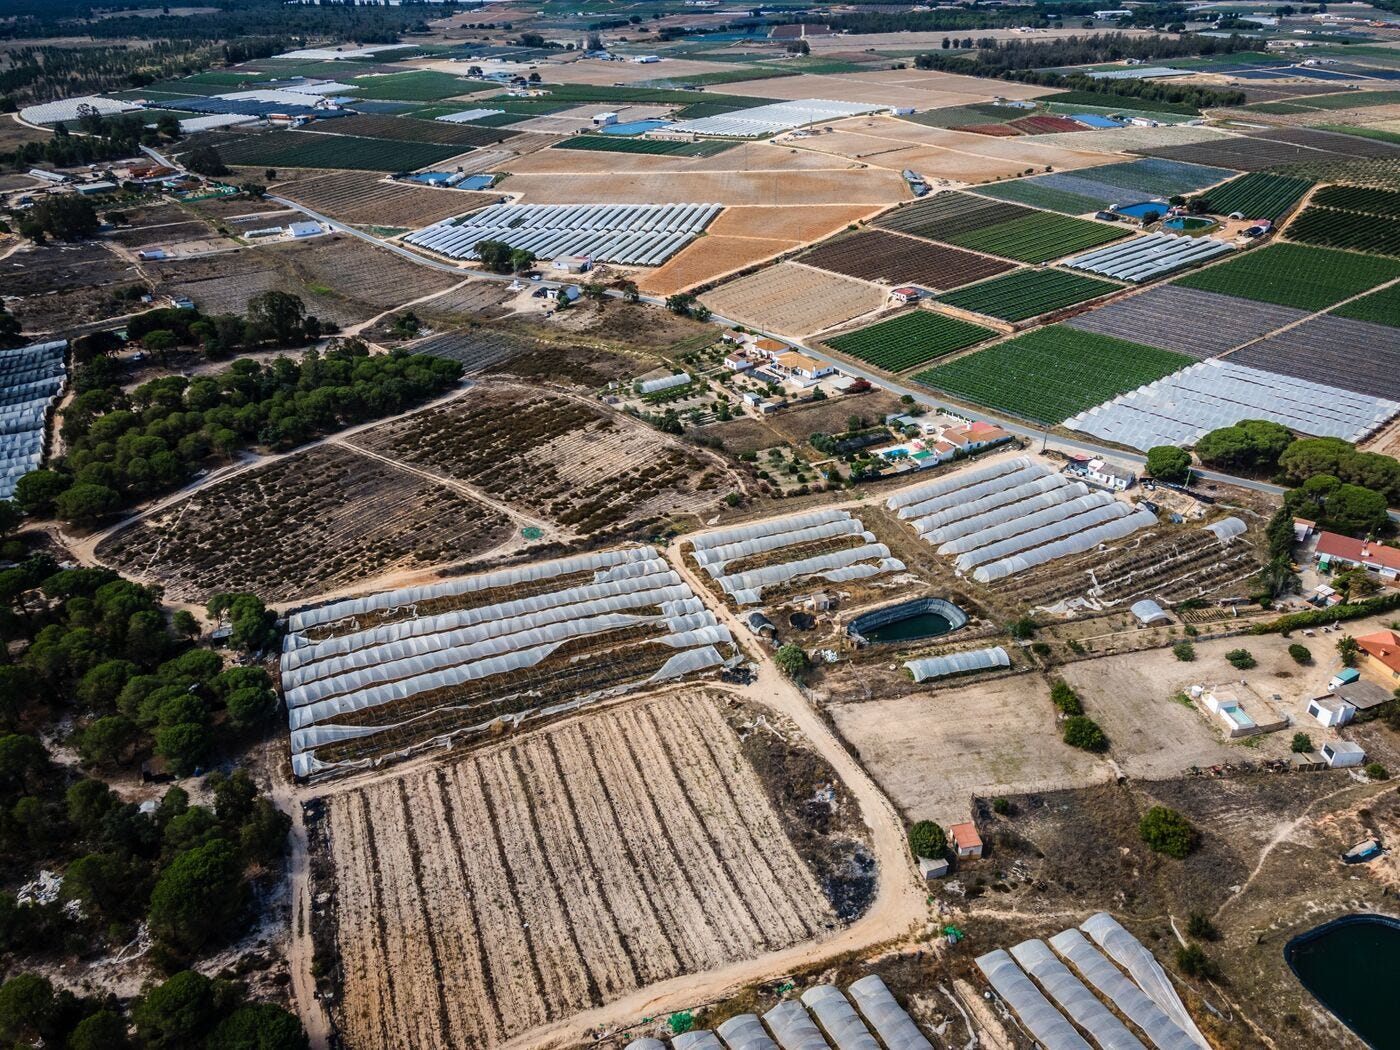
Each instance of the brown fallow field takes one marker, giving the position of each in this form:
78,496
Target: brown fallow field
478,900
793,299
364,197
874,255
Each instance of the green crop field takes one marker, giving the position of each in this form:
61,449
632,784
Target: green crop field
419,85
657,147
1351,100
1105,98
910,339
1028,293
1346,229
1038,238
1257,195
1035,193
1295,275
1052,373
1379,134
1385,203
1381,307
655,96
298,149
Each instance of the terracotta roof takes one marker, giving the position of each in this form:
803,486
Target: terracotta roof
793,359
965,835
1331,545
1383,646
770,345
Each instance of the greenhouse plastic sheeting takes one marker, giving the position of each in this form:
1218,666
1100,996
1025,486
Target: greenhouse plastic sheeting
1130,1000
1076,544
701,1040
652,386
950,500
757,579
753,595
954,516
1147,612
688,662
714,559
1046,1024
773,118
308,618
892,1024
1078,1003
1227,529
794,1028
1146,971
838,1017
646,1042
1143,258
769,527
1026,522
961,479
1046,534
958,663
745,1032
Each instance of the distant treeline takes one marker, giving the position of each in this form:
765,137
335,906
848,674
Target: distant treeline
1036,15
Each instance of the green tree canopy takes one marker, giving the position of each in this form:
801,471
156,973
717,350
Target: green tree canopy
1251,444
927,839
199,897
1167,831
1168,463
258,1026
792,661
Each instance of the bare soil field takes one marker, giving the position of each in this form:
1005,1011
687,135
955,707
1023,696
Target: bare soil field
475,901
925,89
723,187
309,523
472,299
805,222
362,197
794,300
931,752
1127,140
55,287
710,258
478,349
748,156
589,470
350,268
874,255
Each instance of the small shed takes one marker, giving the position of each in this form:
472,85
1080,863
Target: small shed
304,229
1149,613
932,869
1331,711
1343,753
602,120
1346,676
966,843
759,625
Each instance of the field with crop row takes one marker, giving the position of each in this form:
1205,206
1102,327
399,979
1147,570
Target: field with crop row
1346,229
1039,237
793,300
1052,373
1337,351
653,147
874,255
304,149
911,339
1037,194
1294,275
476,349
1382,307
362,197
1258,195
1189,321
1155,177
419,85
1028,293
409,129
476,901
1384,203
946,215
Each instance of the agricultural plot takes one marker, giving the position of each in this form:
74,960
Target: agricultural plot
1295,275
1028,293
1240,153
471,299
650,147
1353,231
419,85
793,299
1367,200
874,255
1035,193
346,268
477,349
304,149
1186,320
315,521
1154,177
1381,307
363,198
911,339
1335,351
409,129
224,283
1038,238
556,872
558,456
946,215
1257,195
1052,373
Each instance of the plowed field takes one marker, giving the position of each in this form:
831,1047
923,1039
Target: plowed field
793,299
364,197
476,901
874,255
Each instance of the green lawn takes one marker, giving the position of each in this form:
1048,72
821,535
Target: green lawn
1295,275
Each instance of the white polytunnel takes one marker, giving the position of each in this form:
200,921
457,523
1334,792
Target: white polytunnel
701,1040
1024,523
932,526
891,1022
838,1018
1149,612
716,558
1227,529
1045,1024
768,527
1076,544
794,1028
745,1032
1076,1001
1084,521
1146,971
646,1043
962,497
962,479
958,663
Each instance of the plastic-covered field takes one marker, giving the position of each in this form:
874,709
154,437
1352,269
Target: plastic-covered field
1146,258
1295,275
1090,189
1052,373
1028,293
911,339
1336,351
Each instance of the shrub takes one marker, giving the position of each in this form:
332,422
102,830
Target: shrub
1194,962
1041,649
1376,771
1184,651
1199,927
1167,831
1241,659
1302,743
927,839
1301,653
1075,646
1084,733
1001,806
1168,463
1348,649
1065,698
1022,629
792,661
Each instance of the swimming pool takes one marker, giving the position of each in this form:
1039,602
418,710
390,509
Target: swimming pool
1189,224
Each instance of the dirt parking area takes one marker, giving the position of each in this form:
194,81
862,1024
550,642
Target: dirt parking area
933,751
477,900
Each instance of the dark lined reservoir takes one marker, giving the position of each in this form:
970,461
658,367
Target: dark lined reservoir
907,622
1349,964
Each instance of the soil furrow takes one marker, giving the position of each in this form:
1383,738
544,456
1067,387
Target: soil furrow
430,929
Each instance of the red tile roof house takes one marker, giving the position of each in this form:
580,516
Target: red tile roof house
1381,654
1385,561
965,841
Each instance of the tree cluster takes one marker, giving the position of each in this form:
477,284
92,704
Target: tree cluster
500,257
927,839
121,448
1167,831
1251,445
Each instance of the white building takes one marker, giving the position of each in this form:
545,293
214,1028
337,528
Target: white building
1331,711
602,120
1342,754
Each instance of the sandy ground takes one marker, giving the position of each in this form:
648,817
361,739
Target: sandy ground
750,156
923,89
932,752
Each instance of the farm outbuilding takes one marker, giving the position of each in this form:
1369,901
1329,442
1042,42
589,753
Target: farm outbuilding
1341,754
1149,613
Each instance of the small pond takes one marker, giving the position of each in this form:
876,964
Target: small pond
907,621
1350,965
1189,224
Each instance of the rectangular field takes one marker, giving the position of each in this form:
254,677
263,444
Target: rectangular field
476,901
1052,373
1295,275
1035,193
409,129
651,147
874,255
419,85
1241,153
792,299
1364,199
1381,307
1039,237
1257,195
1028,293
911,339
362,197
304,149
1334,351
1349,230
1186,320
946,215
